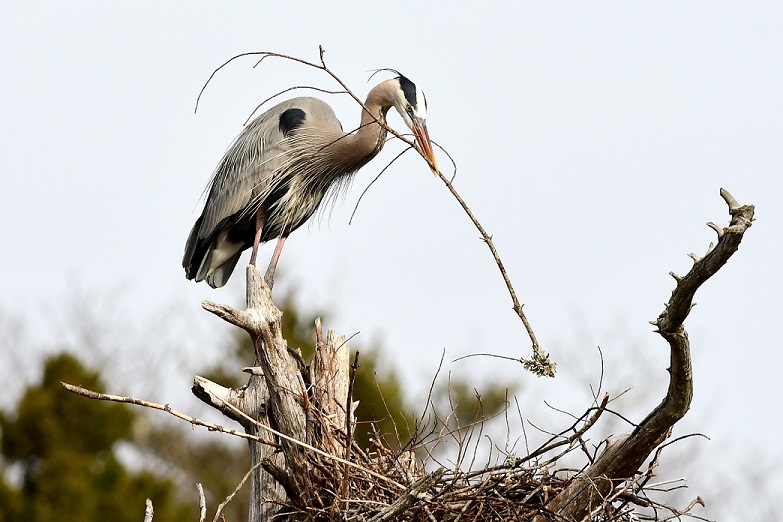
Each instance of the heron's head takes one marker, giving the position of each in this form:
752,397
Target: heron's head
411,103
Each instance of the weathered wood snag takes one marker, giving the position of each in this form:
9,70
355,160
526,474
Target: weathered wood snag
623,459
295,408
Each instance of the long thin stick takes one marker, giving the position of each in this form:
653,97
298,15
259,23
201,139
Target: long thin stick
488,240
162,407
131,400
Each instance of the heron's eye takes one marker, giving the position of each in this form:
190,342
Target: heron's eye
409,109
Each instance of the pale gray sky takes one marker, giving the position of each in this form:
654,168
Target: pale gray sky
592,139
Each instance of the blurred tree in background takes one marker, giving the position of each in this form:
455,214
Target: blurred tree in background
68,458
64,448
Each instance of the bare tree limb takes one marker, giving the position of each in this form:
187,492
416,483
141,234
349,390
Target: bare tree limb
149,511
78,390
233,493
215,427
202,503
539,363
622,459
284,382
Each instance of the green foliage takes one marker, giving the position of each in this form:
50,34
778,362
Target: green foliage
10,501
65,447
48,419
213,459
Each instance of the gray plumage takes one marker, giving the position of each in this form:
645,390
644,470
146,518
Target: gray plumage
277,172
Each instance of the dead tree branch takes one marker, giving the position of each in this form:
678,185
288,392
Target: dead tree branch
279,395
149,511
538,363
624,457
78,390
309,421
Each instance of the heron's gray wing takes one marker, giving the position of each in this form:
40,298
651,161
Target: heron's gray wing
246,170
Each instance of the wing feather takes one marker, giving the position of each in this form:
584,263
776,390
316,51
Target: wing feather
256,166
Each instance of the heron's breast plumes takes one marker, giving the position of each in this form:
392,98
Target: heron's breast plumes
314,161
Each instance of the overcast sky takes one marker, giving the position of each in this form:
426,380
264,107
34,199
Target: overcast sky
592,140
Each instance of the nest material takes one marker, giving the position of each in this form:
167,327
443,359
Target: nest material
504,492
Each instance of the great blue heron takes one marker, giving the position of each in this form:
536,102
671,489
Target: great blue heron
278,170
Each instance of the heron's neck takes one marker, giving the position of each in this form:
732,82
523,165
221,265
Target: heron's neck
364,144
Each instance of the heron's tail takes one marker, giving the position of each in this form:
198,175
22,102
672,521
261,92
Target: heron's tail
219,276
209,259
194,256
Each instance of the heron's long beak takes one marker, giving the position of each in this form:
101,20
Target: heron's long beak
425,145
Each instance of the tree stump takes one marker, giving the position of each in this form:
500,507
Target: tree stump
291,406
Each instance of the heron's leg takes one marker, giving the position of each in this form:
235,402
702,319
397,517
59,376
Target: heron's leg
257,240
270,272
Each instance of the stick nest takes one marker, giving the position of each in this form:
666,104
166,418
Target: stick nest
507,491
